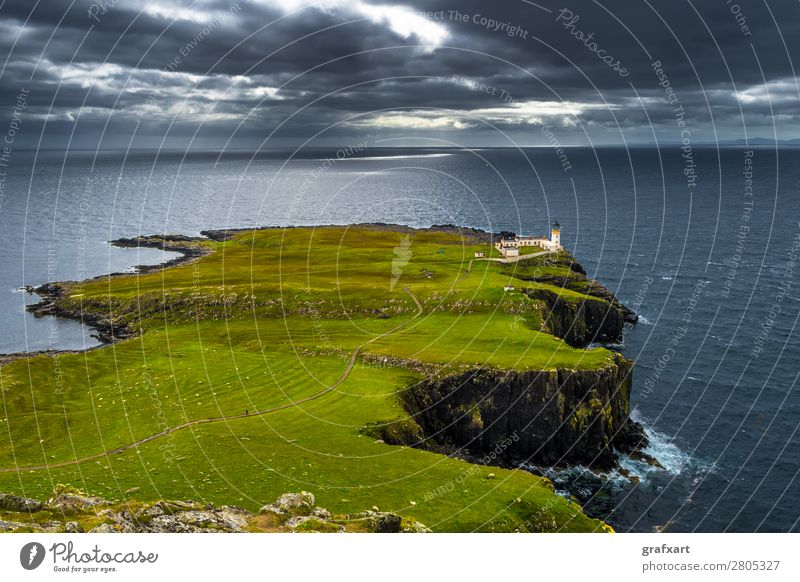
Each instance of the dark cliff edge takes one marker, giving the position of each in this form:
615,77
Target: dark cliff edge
555,417
598,316
582,322
546,417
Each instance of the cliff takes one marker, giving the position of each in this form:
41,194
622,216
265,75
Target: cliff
580,322
554,417
547,417
593,315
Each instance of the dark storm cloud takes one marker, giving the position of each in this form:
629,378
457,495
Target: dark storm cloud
347,69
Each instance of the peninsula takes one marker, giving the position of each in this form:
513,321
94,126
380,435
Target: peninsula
407,370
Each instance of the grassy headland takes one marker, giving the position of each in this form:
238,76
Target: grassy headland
264,365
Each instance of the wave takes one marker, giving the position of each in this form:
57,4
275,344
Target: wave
671,458
644,321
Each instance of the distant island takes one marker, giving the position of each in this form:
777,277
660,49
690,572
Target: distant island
375,366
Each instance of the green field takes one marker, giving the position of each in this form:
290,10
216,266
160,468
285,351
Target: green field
267,353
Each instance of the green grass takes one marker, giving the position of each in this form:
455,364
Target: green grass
269,318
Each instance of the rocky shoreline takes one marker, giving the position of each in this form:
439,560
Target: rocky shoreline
105,330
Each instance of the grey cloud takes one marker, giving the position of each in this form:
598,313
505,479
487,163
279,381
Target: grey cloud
254,62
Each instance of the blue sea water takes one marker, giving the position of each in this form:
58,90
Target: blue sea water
703,248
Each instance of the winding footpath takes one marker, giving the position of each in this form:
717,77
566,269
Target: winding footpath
345,374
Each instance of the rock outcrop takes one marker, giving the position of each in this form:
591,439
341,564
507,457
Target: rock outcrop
594,316
580,322
554,417
71,511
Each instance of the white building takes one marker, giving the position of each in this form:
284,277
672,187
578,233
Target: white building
509,247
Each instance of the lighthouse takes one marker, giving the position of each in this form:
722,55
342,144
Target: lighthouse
555,236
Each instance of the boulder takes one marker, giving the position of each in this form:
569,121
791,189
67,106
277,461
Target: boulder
381,521
296,503
74,500
321,513
271,510
20,504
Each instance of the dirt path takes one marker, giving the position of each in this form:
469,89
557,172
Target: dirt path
515,259
350,365
503,260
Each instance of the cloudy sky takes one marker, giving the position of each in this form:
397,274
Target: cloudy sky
270,73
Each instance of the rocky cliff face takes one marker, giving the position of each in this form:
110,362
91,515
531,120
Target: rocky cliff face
552,417
548,417
598,316
581,322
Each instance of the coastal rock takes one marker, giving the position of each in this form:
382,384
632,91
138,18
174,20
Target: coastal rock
321,513
296,503
72,499
598,317
73,527
6,526
291,512
380,521
271,510
580,322
551,417
21,504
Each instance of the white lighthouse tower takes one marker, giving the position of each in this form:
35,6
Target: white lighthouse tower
555,237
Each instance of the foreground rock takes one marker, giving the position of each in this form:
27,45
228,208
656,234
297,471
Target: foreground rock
71,511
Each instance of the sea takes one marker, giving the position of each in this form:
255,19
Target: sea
702,242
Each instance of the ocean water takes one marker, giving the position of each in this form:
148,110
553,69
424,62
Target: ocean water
704,248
